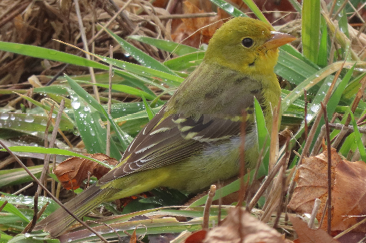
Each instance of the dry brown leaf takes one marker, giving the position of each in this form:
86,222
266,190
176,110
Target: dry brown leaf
306,235
133,238
251,229
196,237
358,42
195,31
73,171
348,190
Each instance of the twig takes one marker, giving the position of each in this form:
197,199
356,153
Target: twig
52,142
259,162
273,152
90,41
356,12
318,142
49,193
128,24
10,9
6,162
46,145
341,134
206,212
86,48
178,16
171,5
32,223
314,213
108,226
281,201
220,203
22,189
266,183
312,132
49,121
339,9
42,210
350,229
327,135
323,214
274,198
3,206
16,12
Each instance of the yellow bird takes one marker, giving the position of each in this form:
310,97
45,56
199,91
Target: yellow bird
194,140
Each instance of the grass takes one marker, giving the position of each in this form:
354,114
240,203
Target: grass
312,70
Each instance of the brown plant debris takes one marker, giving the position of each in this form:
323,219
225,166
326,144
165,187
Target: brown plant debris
248,230
306,235
348,190
73,171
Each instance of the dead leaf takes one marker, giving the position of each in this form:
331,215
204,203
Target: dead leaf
195,31
251,229
73,171
358,42
348,190
133,238
307,235
196,237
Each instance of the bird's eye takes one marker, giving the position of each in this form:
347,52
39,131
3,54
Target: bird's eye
247,42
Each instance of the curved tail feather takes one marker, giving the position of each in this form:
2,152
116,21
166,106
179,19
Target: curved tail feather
59,221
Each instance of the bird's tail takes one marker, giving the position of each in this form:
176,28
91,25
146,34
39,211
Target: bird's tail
58,222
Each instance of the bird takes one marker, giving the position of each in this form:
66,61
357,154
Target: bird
194,140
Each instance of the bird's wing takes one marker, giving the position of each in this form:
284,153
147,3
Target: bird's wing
171,140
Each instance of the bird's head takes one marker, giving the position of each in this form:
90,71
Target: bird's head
246,45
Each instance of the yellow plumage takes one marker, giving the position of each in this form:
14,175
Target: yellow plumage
194,140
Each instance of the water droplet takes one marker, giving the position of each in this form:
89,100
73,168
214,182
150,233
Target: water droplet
315,108
29,118
75,104
4,116
309,117
92,132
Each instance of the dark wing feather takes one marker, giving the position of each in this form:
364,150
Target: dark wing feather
172,140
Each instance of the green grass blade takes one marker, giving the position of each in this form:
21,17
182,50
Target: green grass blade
12,209
149,111
143,58
323,47
358,139
185,61
165,45
230,9
164,77
296,5
124,89
252,6
311,81
88,122
45,53
293,69
263,137
32,149
310,29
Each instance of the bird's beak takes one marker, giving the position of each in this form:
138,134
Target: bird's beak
278,39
